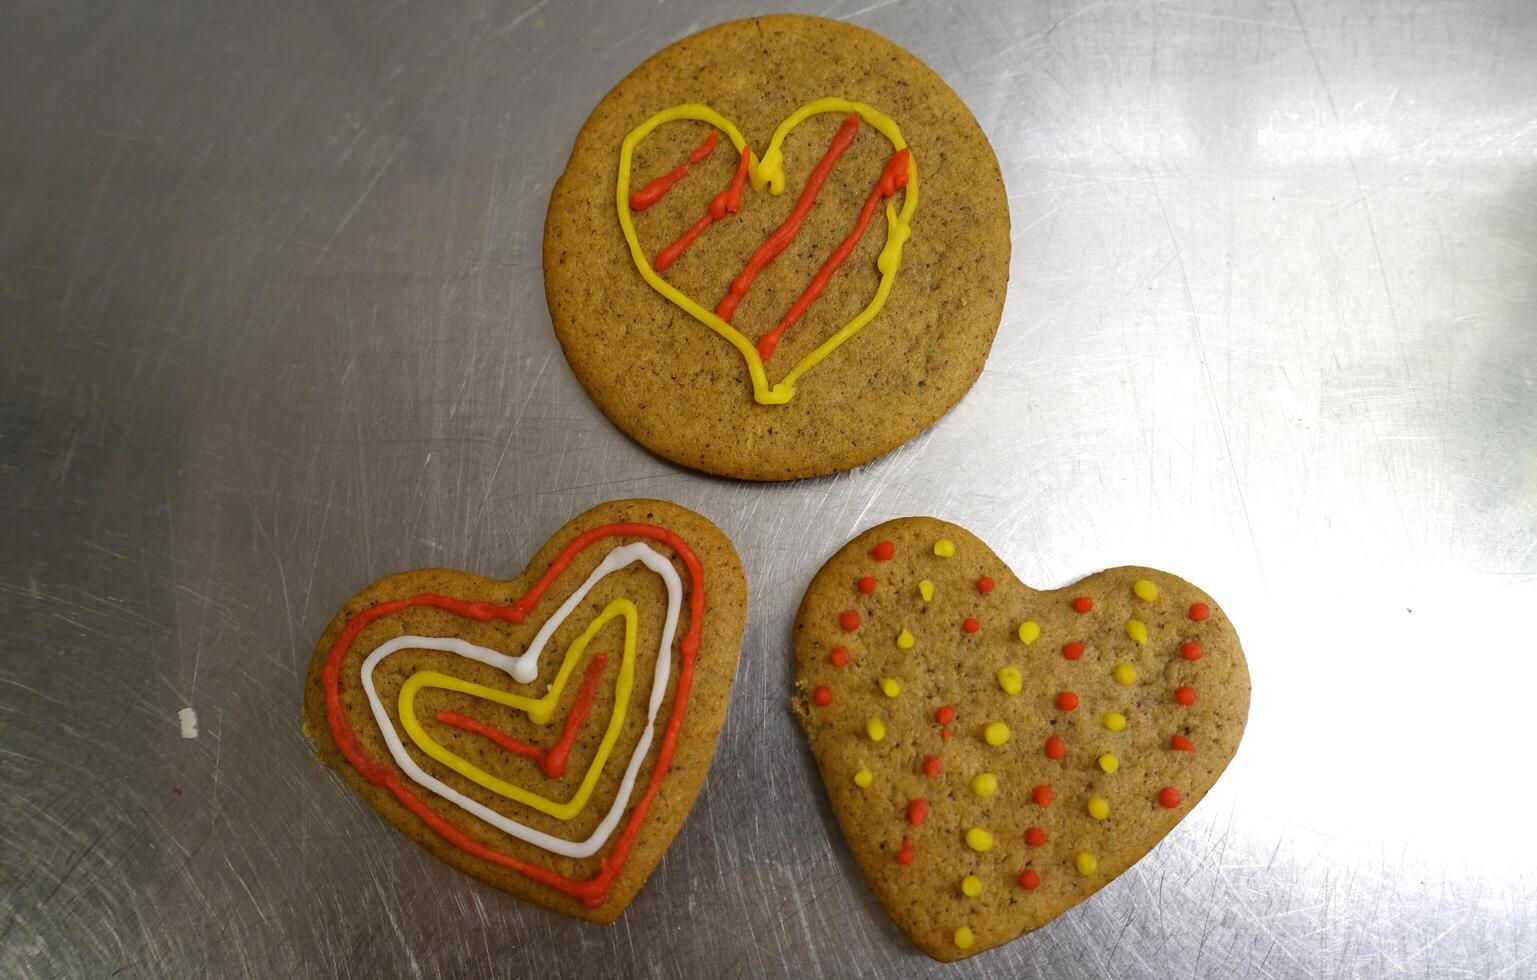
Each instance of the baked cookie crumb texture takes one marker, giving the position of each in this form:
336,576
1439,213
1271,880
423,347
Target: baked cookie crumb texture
546,734
995,754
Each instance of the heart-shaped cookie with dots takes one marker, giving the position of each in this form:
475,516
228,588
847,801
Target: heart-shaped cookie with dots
546,734
996,754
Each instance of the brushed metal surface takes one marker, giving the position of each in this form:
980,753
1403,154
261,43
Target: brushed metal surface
272,325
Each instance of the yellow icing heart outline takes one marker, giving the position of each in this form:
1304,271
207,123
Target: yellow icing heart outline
539,710
769,171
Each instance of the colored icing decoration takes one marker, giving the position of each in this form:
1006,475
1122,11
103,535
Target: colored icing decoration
945,733
905,640
964,937
823,695
890,687
1180,743
728,201
1099,808
1055,747
875,728
864,778
984,784
971,887
986,585
945,715
1041,795
1029,880
979,840
1109,763
1011,680
1191,650
1124,674
905,853
996,733
926,589
932,765
867,585
839,657
849,620
1199,612
1169,798
971,625
768,173
657,189
1086,863
883,551
917,812
1145,590
1185,695
892,179
1067,701
540,711
1082,604
1035,837
1136,630
944,548
1073,650
1029,632
1115,721
591,891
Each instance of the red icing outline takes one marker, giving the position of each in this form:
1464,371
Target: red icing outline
593,891
552,761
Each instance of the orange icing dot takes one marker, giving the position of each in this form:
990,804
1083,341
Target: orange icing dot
883,551
971,625
1029,880
1073,650
1067,701
822,696
849,620
1185,695
1169,798
1082,604
917,812
1035,837
867,584
945,715
1041,795
839,657
1180,743
932,766
1199,612
1055,747
986,585
905,855
1191,651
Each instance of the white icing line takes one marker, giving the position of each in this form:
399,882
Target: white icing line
187,718
525,669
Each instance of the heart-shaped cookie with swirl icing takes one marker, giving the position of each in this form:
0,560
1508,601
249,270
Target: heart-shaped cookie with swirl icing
996,754
546,734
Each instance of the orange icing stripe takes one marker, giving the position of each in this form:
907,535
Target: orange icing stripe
657,189
892,179
727,201
593,891
552,761
786,232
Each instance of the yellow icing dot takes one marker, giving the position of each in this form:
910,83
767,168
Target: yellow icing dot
1011,680
863,778
971,886
1145,590
944,548
1086,863
926,589
1099,808
996,733
1124,674
1029,632
984,784
875,728
964,937
1109,763
890,687
905,640
979,840
1137,630
1115,721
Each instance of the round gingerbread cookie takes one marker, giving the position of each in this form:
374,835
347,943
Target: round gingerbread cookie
780,249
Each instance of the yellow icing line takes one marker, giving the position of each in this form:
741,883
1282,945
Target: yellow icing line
769,173
539,710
